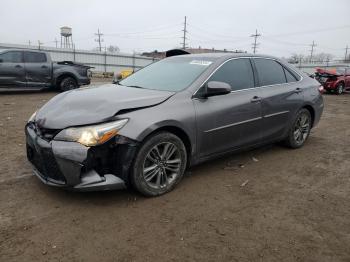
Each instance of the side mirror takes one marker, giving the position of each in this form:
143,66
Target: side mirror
215,88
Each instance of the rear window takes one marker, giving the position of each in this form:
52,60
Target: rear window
34,57
289,76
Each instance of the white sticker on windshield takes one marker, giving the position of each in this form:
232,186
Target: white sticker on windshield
200,62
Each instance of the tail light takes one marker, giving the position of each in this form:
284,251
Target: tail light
321,89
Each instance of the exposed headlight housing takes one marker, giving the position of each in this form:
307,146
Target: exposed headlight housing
32,117
91,135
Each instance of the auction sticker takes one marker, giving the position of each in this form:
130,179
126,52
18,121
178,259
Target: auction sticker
200,62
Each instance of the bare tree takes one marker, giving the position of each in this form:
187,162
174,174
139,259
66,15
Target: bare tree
321,57
113,49
296,58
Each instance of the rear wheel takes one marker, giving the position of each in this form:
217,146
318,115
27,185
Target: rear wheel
159,164
340,88
68,83
300,130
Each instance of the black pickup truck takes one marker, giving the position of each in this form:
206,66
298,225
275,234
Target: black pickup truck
34,70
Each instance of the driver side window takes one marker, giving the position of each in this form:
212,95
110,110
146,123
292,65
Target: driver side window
11,57
236,72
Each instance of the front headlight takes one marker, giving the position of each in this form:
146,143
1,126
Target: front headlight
91,135
32,117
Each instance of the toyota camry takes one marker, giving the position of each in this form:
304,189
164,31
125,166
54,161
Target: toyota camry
147,129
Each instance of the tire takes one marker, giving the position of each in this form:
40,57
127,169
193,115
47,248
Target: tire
340,89
300,130
155,174
68,83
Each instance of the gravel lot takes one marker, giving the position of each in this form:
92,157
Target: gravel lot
270,204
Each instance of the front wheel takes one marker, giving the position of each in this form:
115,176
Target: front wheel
68,83
159,165
340,89
300,130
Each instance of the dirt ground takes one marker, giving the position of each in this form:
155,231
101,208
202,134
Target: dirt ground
270,204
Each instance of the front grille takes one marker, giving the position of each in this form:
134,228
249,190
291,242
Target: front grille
45,162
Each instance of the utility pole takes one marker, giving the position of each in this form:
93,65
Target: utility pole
313,45
73,52
300,60
29,42
39,44
105,59
99,40
255,44
56,41
328,59
346,53
184,38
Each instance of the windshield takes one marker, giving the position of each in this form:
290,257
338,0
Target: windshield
171,74
342,71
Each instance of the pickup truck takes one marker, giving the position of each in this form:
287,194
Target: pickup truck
34,70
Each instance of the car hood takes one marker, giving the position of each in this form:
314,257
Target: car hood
86,106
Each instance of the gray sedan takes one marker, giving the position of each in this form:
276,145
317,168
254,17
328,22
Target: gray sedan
147,129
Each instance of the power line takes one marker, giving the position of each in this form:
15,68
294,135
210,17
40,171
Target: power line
272,39
99,40
216,35
184,38
143,37
313,45
313,31
205,39
146,32
255,44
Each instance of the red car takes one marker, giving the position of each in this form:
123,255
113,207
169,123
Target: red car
336,80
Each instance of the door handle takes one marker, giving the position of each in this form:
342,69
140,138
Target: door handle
255,99
18,66
44,66
298,90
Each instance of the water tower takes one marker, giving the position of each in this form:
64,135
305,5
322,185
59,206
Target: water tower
66,37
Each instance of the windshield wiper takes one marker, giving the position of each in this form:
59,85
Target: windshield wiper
136,86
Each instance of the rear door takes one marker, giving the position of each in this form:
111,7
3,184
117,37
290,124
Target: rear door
230,121
12,72
38,69
282,96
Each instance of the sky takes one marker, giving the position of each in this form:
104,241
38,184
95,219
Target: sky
286,26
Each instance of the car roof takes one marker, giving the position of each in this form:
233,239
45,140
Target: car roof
225,55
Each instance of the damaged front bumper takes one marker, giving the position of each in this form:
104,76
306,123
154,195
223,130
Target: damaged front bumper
74,166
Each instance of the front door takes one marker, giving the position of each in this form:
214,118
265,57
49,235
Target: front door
12,71
230,121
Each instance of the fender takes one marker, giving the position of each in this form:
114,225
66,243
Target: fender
166,124
58,75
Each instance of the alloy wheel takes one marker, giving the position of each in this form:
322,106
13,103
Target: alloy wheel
69,85
162,165
301,128
340,89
